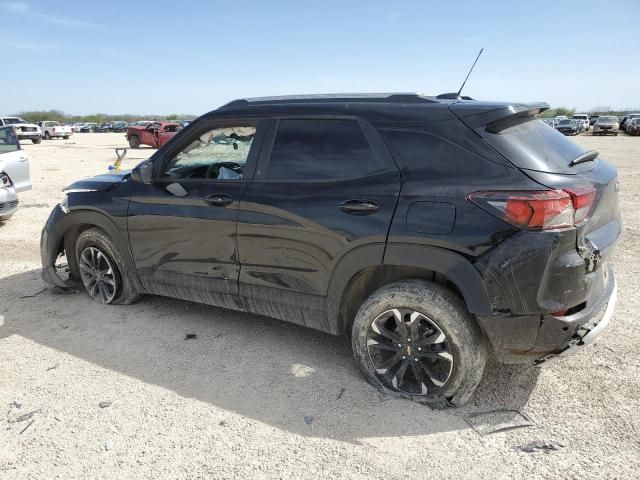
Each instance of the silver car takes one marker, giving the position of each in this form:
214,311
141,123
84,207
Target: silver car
14,172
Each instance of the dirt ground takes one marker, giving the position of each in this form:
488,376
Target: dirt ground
252,397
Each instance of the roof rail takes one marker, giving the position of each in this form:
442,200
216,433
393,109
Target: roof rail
331,98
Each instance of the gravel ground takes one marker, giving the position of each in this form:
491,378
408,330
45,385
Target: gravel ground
252,397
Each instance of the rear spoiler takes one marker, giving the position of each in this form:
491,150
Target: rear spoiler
480,117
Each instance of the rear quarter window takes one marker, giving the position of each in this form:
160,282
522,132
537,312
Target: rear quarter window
533,145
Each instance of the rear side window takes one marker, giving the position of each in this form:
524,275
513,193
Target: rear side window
321,149
534,145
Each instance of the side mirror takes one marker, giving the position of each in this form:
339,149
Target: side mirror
143,173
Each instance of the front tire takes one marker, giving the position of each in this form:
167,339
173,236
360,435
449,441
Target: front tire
134,141
47,136
66,137
104,272
36,140
415,339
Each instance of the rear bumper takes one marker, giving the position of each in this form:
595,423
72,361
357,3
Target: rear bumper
590,331
539,338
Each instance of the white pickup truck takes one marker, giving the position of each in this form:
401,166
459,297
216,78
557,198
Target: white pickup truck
23,129
52,129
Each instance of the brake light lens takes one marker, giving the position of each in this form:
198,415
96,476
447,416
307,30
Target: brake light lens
538,210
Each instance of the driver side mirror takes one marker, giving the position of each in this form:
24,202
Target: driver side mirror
143,173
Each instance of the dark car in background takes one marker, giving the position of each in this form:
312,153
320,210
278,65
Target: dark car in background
633,128
433,232
593,119
569,127
606,125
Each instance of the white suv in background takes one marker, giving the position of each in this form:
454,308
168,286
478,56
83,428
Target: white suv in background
584,120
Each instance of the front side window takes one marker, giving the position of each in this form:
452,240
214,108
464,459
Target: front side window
321,149
8,140
220,153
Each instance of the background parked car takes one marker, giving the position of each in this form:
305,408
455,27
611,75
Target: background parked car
52,129
626,122
14,172
23,129
154,134
583,118
606,125
593,119
88,128
119,127
569,127
633,127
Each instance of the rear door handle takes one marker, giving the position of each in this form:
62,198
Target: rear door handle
218,200
359,207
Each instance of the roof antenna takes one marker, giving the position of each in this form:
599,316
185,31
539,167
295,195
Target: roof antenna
456,96
471,70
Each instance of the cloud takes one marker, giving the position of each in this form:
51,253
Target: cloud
14,7
28,47
22,8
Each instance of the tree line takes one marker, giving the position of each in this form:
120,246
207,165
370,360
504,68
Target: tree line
59,116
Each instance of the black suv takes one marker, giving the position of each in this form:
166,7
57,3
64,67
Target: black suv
433,231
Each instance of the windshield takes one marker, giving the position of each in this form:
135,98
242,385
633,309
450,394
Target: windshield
13,121
8,140
607,120
580,117
565,122
534,145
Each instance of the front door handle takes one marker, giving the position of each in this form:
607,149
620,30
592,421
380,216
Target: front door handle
359,207
218,200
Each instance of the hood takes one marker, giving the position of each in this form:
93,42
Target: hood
566,127
99,183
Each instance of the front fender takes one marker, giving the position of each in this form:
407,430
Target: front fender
62,221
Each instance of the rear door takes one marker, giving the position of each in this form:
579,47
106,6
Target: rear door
323,187
13,160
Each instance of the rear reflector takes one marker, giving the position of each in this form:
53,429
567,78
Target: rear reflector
538,210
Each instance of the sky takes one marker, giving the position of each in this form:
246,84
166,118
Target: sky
165,57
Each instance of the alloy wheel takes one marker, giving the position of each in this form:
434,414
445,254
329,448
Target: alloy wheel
98,275
409,352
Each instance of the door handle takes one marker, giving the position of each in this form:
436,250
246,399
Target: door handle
359,207
218,200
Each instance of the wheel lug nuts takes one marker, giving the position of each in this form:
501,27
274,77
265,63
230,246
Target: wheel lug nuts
409,340
399,345
404,357
419,349
415,359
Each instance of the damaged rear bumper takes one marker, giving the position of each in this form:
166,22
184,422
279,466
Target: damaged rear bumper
590,331
539,338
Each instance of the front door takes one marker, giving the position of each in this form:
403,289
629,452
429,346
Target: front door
182,227
323,188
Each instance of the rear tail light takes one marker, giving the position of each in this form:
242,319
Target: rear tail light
538,210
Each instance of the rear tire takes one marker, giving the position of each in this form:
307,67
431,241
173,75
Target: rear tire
66,137
134,141
415,339
47,136
36,140
104,272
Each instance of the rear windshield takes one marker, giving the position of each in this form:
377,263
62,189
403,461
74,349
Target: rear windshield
534,145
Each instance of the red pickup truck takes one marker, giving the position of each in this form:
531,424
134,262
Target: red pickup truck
154,134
